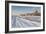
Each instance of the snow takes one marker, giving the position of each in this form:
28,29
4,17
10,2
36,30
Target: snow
21,22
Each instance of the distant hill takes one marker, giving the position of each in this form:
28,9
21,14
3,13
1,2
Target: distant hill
36,13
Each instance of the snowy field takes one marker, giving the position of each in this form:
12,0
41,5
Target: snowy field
26,21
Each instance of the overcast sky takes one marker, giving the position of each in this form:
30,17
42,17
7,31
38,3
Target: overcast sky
24,9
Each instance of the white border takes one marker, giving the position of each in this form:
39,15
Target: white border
18,29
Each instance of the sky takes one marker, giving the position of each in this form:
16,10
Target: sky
24,9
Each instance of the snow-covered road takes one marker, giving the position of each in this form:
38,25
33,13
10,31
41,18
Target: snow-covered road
19,22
